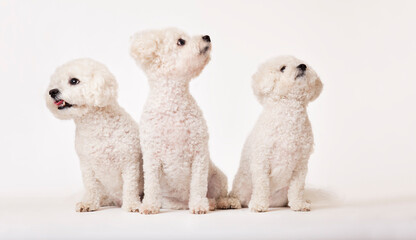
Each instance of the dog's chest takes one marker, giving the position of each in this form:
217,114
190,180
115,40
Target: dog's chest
180,136
292,134
289,135
177,131
97,146
290,128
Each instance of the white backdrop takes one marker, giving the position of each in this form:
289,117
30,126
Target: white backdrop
364,121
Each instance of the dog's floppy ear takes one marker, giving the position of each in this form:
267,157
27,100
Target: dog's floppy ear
263,82
103,88
143,47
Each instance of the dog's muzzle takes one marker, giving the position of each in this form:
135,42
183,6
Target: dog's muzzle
62,104
302,68
205,49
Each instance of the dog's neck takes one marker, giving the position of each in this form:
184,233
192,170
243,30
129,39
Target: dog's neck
290,112
285,103
165,87
95,114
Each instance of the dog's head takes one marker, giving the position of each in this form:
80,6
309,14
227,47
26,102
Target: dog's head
286,77
78,86
170,53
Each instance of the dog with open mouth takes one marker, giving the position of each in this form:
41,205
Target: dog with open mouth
179,173
107,138
274,160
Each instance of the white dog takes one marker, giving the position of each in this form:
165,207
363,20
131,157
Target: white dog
177,167
107,138
275,156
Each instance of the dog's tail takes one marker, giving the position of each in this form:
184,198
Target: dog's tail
320,197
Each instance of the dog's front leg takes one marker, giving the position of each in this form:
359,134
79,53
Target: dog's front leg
152,170
295,193
260,197
198,201
93,191
131,191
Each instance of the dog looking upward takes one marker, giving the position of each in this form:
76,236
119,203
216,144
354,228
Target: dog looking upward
274,159
179,173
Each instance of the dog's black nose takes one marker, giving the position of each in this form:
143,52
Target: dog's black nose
206,38
54,92
302,67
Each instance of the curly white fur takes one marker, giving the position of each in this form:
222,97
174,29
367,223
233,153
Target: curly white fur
107,138
275,156
177,167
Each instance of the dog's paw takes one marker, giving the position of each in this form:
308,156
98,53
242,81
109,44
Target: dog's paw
234,203
132,207
222,203
301,206
200,209
199,206
148,208
86,207
228,202
258,206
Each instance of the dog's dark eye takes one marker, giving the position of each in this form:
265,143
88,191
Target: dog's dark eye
181,42
73,81
282,69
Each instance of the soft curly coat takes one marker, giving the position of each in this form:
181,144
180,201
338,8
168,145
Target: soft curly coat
275,156
107,138
177,167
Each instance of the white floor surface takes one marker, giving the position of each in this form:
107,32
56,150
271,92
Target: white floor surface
54,218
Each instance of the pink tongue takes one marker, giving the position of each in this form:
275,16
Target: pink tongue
59,103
